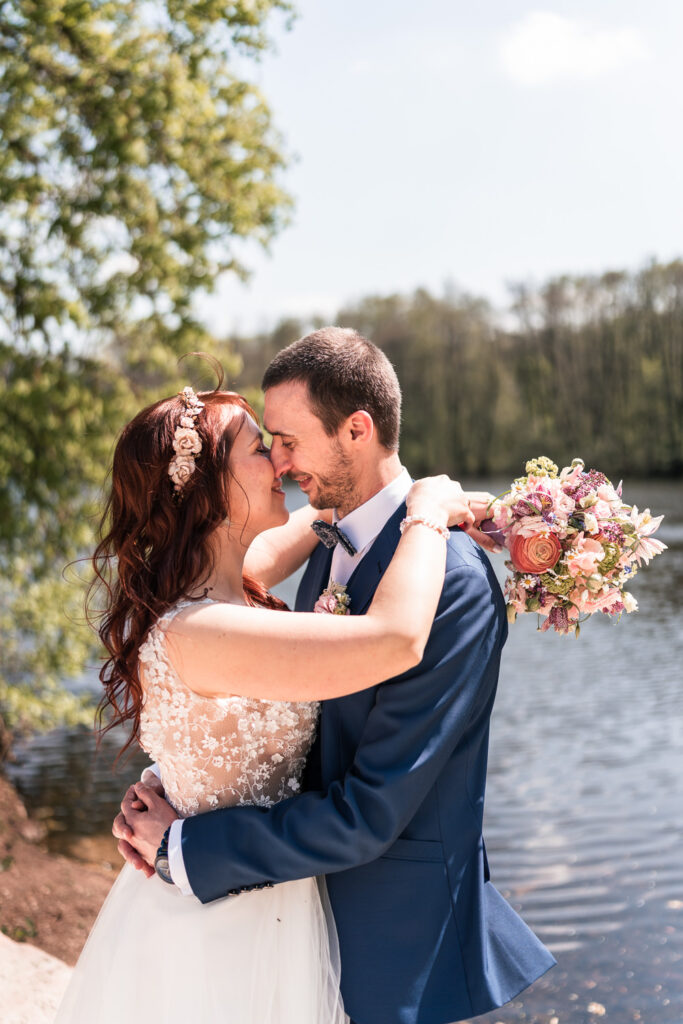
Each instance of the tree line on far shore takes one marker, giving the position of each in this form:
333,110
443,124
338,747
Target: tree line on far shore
588,366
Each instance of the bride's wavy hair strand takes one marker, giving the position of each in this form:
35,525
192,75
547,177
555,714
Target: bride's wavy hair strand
155,549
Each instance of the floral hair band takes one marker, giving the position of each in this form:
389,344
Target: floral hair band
186,441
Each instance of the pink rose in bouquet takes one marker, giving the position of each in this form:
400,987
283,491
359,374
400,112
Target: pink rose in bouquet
583,555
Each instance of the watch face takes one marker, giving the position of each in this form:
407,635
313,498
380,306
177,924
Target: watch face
163,869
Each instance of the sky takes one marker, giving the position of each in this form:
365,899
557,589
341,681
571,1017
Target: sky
471,145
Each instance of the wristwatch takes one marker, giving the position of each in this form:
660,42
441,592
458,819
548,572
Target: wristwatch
162,865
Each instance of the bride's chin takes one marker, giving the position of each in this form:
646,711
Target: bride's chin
278,518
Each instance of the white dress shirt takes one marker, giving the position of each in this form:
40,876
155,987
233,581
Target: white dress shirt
362,527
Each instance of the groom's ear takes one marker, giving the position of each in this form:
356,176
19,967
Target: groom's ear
360,427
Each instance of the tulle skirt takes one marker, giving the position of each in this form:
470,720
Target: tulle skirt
263,957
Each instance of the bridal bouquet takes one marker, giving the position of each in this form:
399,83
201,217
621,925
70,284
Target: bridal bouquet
573,543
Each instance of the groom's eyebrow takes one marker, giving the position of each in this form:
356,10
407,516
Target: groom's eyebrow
278,433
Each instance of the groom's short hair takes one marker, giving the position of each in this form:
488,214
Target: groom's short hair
344,372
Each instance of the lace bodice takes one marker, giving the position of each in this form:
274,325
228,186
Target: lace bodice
218,752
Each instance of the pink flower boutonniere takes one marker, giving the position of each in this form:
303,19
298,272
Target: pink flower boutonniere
333,601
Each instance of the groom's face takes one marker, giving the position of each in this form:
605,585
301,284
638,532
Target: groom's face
322,465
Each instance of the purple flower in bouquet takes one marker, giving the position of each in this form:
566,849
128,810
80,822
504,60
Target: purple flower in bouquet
589,482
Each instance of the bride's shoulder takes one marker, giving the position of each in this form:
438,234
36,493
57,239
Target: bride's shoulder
168,646
207,620
191,612
188,633
173,621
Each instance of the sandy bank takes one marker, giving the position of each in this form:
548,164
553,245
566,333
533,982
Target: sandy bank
32,983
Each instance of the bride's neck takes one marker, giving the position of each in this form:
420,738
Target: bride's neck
225,581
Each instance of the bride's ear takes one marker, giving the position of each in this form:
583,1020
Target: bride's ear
360,426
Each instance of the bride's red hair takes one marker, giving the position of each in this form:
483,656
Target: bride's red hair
155,548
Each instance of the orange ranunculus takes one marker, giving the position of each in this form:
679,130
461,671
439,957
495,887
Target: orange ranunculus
537,553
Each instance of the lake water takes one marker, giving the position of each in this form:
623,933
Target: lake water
584,811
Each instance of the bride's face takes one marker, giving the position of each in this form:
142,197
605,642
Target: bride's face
257,501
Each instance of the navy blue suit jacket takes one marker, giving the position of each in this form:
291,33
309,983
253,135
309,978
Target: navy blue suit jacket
393,815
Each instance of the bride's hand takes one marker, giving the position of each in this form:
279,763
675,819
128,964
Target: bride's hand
443,500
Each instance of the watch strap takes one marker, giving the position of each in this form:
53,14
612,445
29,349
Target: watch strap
161,861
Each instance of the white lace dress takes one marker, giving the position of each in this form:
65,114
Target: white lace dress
263,957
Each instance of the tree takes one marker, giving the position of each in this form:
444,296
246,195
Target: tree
134,158
57,416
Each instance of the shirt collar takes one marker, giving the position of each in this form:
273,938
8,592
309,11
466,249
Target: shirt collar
363,524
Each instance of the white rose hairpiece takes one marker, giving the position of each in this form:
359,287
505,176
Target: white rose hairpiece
186,441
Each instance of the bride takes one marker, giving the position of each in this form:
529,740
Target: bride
192,487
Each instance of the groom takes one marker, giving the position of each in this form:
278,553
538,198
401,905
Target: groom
392,809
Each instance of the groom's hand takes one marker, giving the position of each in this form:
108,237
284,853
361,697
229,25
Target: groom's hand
480,504
466,509
140,826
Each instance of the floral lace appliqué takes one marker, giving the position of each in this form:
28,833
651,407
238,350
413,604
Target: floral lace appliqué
219,752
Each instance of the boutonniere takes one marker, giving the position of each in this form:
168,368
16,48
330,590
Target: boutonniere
333,601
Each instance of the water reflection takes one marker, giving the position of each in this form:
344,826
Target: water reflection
583,814
70,784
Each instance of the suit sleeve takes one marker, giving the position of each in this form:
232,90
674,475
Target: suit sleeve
415,724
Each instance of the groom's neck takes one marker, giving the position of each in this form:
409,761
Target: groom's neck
377,475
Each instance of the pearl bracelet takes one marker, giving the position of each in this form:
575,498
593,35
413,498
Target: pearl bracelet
443,531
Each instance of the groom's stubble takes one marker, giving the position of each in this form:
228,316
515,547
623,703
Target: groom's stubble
338,486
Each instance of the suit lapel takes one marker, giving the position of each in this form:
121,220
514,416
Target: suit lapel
314,579
361,588
363,583
312,584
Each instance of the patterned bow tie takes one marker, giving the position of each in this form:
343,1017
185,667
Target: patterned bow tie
331,535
